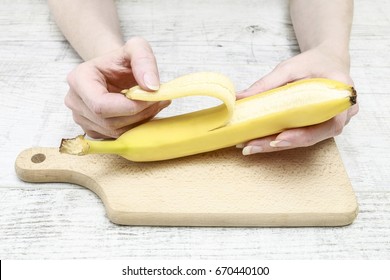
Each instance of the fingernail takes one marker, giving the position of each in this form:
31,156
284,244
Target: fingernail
240,146
250,150
280,144
151,81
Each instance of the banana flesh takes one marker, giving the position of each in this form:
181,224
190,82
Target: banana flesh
302,103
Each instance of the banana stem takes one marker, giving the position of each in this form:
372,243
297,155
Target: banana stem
104,147
81,146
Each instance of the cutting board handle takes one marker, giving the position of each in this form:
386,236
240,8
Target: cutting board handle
48,165
41,165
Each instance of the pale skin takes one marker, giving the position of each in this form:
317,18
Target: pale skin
111,64
322,29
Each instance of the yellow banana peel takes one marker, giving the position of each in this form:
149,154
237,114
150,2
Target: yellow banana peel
302,103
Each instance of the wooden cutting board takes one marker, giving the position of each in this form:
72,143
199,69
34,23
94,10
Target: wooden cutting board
300,187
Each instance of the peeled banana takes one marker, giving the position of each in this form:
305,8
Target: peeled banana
297,104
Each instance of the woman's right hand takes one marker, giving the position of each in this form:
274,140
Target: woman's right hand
95,85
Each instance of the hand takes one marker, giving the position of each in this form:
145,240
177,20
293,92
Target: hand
310,64
94,95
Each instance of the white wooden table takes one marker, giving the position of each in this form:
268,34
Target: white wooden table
243,39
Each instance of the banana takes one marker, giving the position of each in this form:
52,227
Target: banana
302,103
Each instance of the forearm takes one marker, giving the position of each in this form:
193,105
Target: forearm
323,23
91,26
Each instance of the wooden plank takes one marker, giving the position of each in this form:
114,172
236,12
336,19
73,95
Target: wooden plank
35,60
57,223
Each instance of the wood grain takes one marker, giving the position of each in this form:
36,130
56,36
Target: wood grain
67,221
302,187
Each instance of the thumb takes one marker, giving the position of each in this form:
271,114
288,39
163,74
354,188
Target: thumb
143,63
279,76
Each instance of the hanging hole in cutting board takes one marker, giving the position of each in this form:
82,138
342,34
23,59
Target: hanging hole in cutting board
38,158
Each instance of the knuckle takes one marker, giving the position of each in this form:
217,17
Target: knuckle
112,127
68,101
306,138
104,123
77,119
354,110
70,78
283,67
337,124
109,124
259,84
114,133
77,75
97,108
139,48
145,59
92,133
288,70
135,40
338,128
133,108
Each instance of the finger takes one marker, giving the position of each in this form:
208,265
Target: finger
277,77
143,63
95,135
310,135
91,128
75,103
283,73
114,127
259,145
297,137
111,105
352,112
91,89
95,130
119,122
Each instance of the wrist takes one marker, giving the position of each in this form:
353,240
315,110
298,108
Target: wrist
338,53
106,47
101,45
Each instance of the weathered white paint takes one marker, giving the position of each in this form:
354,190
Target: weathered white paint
242,39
